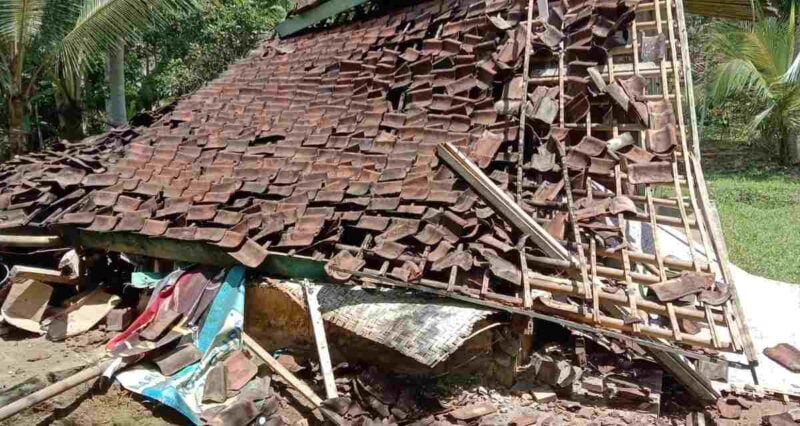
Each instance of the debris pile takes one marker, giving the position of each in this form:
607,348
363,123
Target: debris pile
37,189
742,408
500,153
488,150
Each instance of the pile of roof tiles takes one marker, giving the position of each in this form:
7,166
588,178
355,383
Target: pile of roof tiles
38,188
324,145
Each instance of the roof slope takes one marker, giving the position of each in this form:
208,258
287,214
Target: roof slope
325,144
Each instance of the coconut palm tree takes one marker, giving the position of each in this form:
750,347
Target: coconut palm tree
755,63
57,38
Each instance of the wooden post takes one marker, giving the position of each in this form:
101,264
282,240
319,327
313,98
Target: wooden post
501,201
290,378
318,327
278,368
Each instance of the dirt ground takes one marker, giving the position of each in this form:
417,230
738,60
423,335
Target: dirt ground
24,356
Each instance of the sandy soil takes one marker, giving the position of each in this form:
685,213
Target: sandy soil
24,355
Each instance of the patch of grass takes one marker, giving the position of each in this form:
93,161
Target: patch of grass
759,205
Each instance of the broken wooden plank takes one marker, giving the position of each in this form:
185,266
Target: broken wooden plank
318,329
290,378
82,315
697,385
278,368
501,201
25,305
37,241
50,276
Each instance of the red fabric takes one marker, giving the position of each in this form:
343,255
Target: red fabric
149,313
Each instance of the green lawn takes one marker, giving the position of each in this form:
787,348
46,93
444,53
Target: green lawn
759,205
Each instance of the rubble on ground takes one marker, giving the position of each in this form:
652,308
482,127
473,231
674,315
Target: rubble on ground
440,192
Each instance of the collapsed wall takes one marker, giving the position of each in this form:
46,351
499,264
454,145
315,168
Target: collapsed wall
407,149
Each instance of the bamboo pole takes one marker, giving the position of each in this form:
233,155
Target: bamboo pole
290,378
54,389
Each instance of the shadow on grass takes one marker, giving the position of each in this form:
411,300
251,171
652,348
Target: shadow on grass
729,159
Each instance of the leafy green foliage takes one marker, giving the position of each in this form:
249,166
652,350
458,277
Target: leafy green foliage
173,47
752,61
55,41
201,44
101,23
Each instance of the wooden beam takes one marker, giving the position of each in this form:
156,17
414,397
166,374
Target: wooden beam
502,202
603,271
290,378
54,389
572,288
50,276
190,251
318,329
697,385
30,241
310,17
280,370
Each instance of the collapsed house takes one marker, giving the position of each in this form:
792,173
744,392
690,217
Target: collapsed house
513,156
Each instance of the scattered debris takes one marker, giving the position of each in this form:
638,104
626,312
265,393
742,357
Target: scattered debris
458,194
543,394
472,411
81,315
786,355
25,305
119,319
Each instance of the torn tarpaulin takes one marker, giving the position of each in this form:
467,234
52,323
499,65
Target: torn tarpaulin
219,336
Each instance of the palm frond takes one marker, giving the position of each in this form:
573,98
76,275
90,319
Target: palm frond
767,44
792,75
788,101
759,119
59,17
20,20
735,77
103,22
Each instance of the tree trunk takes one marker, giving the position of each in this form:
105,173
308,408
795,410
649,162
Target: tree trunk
787,137
793,154
70,120
17,136
70,112
794,147
796,31
116,107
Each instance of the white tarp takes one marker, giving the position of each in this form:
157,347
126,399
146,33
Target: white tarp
771,309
